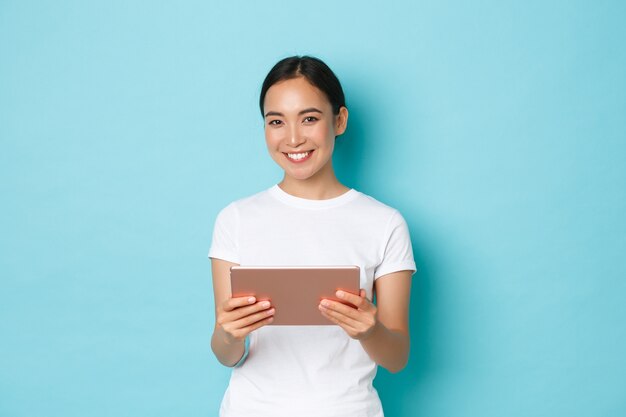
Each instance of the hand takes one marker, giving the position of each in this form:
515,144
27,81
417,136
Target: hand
237,317
358,322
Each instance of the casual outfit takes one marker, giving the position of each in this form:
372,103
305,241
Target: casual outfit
308,370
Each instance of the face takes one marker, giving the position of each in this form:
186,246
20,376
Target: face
300,128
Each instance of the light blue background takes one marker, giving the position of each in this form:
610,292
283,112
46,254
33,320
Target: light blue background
497,128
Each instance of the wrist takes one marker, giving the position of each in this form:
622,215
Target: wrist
246,349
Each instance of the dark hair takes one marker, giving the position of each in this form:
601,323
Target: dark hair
314,70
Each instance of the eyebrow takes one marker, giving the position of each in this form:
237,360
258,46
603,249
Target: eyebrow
300,113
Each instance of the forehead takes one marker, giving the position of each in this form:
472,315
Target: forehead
294,94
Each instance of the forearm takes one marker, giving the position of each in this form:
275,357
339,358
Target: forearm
227,353
388,348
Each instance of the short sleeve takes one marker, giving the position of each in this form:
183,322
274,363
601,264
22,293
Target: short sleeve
398,252
224,244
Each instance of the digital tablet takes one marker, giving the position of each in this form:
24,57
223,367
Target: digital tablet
295,291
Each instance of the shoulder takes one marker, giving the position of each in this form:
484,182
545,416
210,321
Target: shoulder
377,208
236,206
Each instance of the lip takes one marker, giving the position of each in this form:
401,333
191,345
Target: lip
301,160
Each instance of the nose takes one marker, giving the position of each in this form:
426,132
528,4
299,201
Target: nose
295,137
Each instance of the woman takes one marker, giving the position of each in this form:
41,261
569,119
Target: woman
310,218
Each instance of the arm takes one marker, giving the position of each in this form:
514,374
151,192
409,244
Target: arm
382,329
235,318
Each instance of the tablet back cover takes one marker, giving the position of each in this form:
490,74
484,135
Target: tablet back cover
295,291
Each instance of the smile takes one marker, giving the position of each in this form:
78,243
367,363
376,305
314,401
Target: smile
298,157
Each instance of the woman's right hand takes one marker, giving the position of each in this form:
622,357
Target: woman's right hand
238,316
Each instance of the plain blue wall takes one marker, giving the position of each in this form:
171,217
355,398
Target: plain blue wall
497,128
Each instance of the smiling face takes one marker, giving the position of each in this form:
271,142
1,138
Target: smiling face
300,129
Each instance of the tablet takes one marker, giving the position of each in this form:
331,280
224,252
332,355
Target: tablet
295,291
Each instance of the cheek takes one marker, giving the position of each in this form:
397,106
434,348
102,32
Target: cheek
321,131
272,137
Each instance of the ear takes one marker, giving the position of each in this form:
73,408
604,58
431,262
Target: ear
341,121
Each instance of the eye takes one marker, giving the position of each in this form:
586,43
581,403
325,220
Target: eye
310,119
275,122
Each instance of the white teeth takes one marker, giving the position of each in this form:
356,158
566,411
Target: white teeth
298,156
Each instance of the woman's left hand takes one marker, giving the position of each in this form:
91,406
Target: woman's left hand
358,322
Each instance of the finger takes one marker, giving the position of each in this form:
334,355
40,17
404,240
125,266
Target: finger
346,326
258,324
253,318
244,331
341,308
238,313
236,302
360,301
226,317
347,319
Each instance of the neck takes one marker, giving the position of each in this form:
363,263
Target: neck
318,187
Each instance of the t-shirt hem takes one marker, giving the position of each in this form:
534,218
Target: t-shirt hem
395,267
370,410
226,256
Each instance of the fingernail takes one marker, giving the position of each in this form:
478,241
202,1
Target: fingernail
325,303
251,300
265,304
340,294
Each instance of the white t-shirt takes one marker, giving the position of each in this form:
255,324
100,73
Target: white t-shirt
309,370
